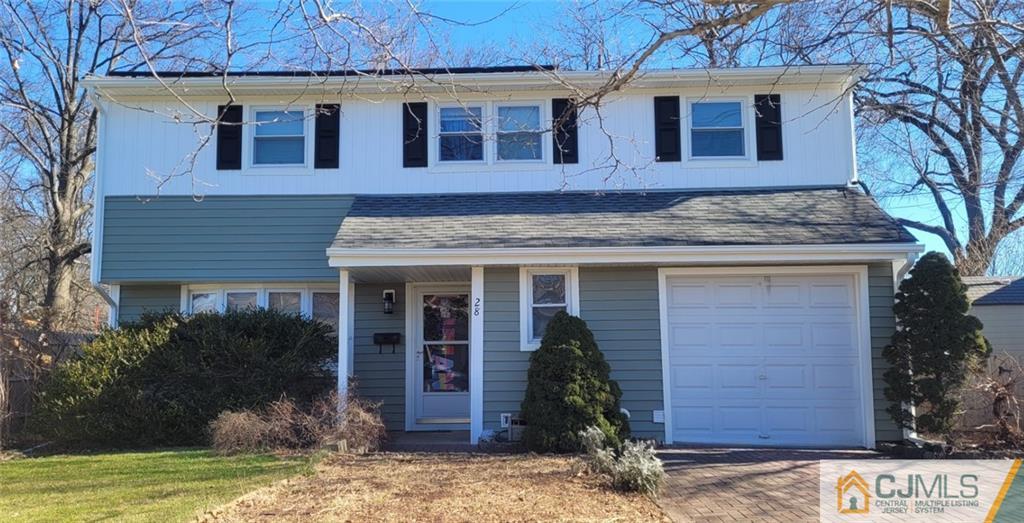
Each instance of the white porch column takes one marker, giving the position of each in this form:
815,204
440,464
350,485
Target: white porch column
476,355
344,334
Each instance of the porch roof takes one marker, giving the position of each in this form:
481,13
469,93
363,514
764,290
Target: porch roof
810,216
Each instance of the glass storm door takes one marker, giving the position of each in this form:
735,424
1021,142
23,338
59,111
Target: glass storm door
442,362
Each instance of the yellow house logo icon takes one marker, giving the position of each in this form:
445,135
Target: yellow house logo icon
852,494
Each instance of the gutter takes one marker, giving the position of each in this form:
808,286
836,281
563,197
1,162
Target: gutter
535,80
700,254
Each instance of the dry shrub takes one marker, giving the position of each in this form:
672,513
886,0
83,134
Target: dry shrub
994,406
238,432
285,426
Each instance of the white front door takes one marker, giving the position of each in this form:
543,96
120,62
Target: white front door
764,360
441,360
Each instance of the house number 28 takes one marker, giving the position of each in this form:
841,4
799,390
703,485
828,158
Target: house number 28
477,305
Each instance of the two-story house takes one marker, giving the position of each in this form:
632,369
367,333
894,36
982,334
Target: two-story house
734,275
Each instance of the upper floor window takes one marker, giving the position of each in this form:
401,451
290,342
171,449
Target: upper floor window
460,136
279,137
716,130
519,133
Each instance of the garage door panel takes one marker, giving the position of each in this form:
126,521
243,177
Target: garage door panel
786,419
786,378
741,295
690,296
693,379
764,360
738,378
830,295
785,336
693,419
738,419
737,336
691,335
835,378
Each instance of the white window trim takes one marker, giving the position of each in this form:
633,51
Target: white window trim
572,291
542,119
489,112
249,142
261,300
302,298
262,291
749,158
436,134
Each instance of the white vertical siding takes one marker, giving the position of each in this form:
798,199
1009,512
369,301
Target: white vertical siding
144,143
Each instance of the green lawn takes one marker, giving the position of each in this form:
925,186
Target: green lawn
171,485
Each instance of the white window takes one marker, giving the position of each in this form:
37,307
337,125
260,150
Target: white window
288,302
279,137
519,133
717,130
241,300
204,302
314,301
460,134
325,308
543,292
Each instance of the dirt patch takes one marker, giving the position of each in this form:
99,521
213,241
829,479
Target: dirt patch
441,487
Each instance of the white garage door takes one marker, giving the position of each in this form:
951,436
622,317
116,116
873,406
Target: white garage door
764,360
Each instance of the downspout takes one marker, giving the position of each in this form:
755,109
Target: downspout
97,222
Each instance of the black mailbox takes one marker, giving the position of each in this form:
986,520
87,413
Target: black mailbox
380,339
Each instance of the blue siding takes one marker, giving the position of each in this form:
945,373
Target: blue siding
220,239
620,305
136,299
380,377
504,364
883,325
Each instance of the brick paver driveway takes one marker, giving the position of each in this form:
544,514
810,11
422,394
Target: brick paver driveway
712,484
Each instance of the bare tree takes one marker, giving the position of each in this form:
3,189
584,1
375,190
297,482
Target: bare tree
942,106
48,129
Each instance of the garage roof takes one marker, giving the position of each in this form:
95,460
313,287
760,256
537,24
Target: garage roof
987,290
618,219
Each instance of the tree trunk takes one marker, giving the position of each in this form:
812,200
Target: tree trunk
977,257
57,298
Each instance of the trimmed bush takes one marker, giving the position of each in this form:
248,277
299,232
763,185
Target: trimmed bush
935,349
569,389
162,379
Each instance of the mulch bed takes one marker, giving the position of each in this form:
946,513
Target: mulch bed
442,487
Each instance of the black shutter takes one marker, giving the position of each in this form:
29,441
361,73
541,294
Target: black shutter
414,134
566,137
328,120
666,129
229,137
769,126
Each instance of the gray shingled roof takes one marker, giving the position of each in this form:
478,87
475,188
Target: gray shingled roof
997,290
618,219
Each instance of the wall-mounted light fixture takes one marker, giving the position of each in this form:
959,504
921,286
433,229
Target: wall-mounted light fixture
389,301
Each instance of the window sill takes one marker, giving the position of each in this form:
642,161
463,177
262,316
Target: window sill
279,170
530,346
482,167
715,163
